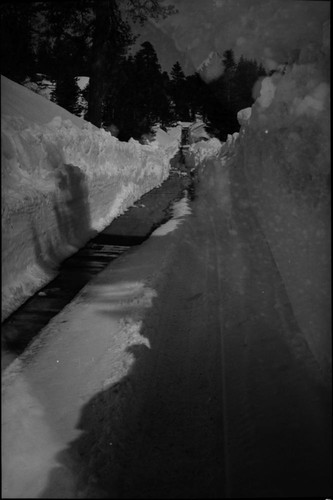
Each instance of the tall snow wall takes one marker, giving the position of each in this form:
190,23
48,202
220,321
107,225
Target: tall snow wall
63,180
284,150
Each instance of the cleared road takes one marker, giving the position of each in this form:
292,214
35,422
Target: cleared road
179,372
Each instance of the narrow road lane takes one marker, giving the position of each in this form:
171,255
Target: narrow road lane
179,372
233,403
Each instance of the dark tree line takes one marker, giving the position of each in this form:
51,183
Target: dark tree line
231,92
86,37
138,97
131,93
143,95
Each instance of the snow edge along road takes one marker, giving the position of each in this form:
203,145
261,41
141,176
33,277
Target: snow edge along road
78,354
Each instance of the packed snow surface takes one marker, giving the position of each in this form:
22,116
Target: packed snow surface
212,148
63,180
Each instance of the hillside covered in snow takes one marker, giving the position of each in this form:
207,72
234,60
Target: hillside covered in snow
63,180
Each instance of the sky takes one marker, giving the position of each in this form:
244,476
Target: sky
270,31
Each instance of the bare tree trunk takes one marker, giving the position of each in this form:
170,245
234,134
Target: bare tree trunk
104,24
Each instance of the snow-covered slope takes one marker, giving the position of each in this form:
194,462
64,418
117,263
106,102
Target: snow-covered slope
18,101
44,87
212,67
63,180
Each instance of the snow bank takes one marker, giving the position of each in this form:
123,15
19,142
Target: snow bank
200,151
197,131
229,146
62,181
285,152
165,139
244,115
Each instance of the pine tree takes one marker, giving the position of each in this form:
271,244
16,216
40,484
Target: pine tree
66,93
246,74
228,60
96,33
228,76
179,93
119,106
233,91
166,116
18,59
177,74
151,98
138,98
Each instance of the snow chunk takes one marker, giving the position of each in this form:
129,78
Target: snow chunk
244,115
205,149
267,92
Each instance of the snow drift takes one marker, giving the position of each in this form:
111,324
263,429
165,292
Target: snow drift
63,180
207,150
